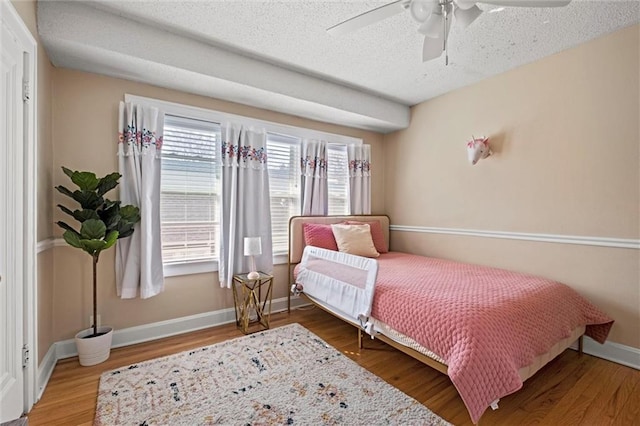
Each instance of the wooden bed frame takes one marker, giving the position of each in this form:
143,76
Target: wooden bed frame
293,258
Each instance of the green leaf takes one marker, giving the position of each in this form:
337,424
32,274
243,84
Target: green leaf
67,172
110,213
93,229
88,199
108,182
126,231
72,239
111,239
67,227
130,213
110,205
86,181
112,222
93,246
64,190
86,214
66,210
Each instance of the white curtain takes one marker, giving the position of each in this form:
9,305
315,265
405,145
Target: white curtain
246,207
359,178
139,257
313,169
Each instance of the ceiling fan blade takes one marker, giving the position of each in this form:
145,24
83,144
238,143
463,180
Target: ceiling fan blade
466,17
528,3
432,48
368,18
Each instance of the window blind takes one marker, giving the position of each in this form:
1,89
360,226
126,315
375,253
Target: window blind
338,179
190,182
283,160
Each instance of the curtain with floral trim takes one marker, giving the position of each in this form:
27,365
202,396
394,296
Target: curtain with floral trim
313,170
359,157
246,207
139,257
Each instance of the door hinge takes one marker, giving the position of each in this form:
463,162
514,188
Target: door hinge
26,91
25,356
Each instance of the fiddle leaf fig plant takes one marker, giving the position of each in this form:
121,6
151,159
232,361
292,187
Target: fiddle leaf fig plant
102,221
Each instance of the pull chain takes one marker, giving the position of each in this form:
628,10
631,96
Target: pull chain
445,11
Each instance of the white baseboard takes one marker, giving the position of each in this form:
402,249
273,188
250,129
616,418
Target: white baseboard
45,369
45,245
159,330
614,352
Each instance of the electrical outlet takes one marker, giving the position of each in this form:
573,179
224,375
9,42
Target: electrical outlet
91,321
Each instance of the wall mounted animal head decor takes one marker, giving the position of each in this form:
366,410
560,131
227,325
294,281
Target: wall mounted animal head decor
477,149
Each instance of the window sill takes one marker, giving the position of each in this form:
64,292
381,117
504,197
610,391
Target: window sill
280,259
191,268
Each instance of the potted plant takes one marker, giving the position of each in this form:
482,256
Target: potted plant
102,223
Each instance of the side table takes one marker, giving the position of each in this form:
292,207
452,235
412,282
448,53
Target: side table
248,300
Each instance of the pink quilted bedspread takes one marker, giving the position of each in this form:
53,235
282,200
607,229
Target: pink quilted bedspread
486,323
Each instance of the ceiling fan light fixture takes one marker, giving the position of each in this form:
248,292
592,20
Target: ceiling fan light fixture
421,9
464,4
435,18
432,27
466,17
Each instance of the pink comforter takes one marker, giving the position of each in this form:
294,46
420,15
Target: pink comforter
486,323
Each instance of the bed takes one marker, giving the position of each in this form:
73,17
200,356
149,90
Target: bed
487,328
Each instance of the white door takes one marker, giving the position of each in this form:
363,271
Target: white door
11,226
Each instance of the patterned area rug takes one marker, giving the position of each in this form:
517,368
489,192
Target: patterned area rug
286,375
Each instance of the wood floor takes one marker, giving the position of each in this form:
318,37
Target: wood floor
571,390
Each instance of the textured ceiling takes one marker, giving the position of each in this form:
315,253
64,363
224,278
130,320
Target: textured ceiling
383,59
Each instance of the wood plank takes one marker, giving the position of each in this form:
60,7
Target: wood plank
546,388
629,413
607,390
618,399
561,393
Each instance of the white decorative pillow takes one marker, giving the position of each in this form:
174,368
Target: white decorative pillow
355,239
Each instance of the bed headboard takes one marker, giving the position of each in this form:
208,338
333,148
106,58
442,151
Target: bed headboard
296,236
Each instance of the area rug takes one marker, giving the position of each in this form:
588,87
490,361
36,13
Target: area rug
286,375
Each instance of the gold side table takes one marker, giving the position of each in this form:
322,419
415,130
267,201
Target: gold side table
251,307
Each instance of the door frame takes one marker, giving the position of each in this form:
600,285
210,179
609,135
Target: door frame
28,165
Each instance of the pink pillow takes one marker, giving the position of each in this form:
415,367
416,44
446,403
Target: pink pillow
319,235
376,234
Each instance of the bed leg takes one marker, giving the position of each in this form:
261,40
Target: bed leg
360,343
580,344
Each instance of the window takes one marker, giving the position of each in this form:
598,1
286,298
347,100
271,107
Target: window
190,182
189,199
283,161
338,179
285,184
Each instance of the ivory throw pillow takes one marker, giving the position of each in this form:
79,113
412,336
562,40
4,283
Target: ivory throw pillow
376,234
355,239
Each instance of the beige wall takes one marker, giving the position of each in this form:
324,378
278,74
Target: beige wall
27,11
566,143
85,123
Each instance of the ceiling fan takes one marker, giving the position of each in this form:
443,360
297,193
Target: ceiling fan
434,17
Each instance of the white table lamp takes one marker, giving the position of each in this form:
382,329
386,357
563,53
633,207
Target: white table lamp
253,247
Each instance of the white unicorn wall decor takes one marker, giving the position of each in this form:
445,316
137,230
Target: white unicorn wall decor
477,149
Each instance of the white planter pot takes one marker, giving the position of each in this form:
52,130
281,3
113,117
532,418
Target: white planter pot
94,350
